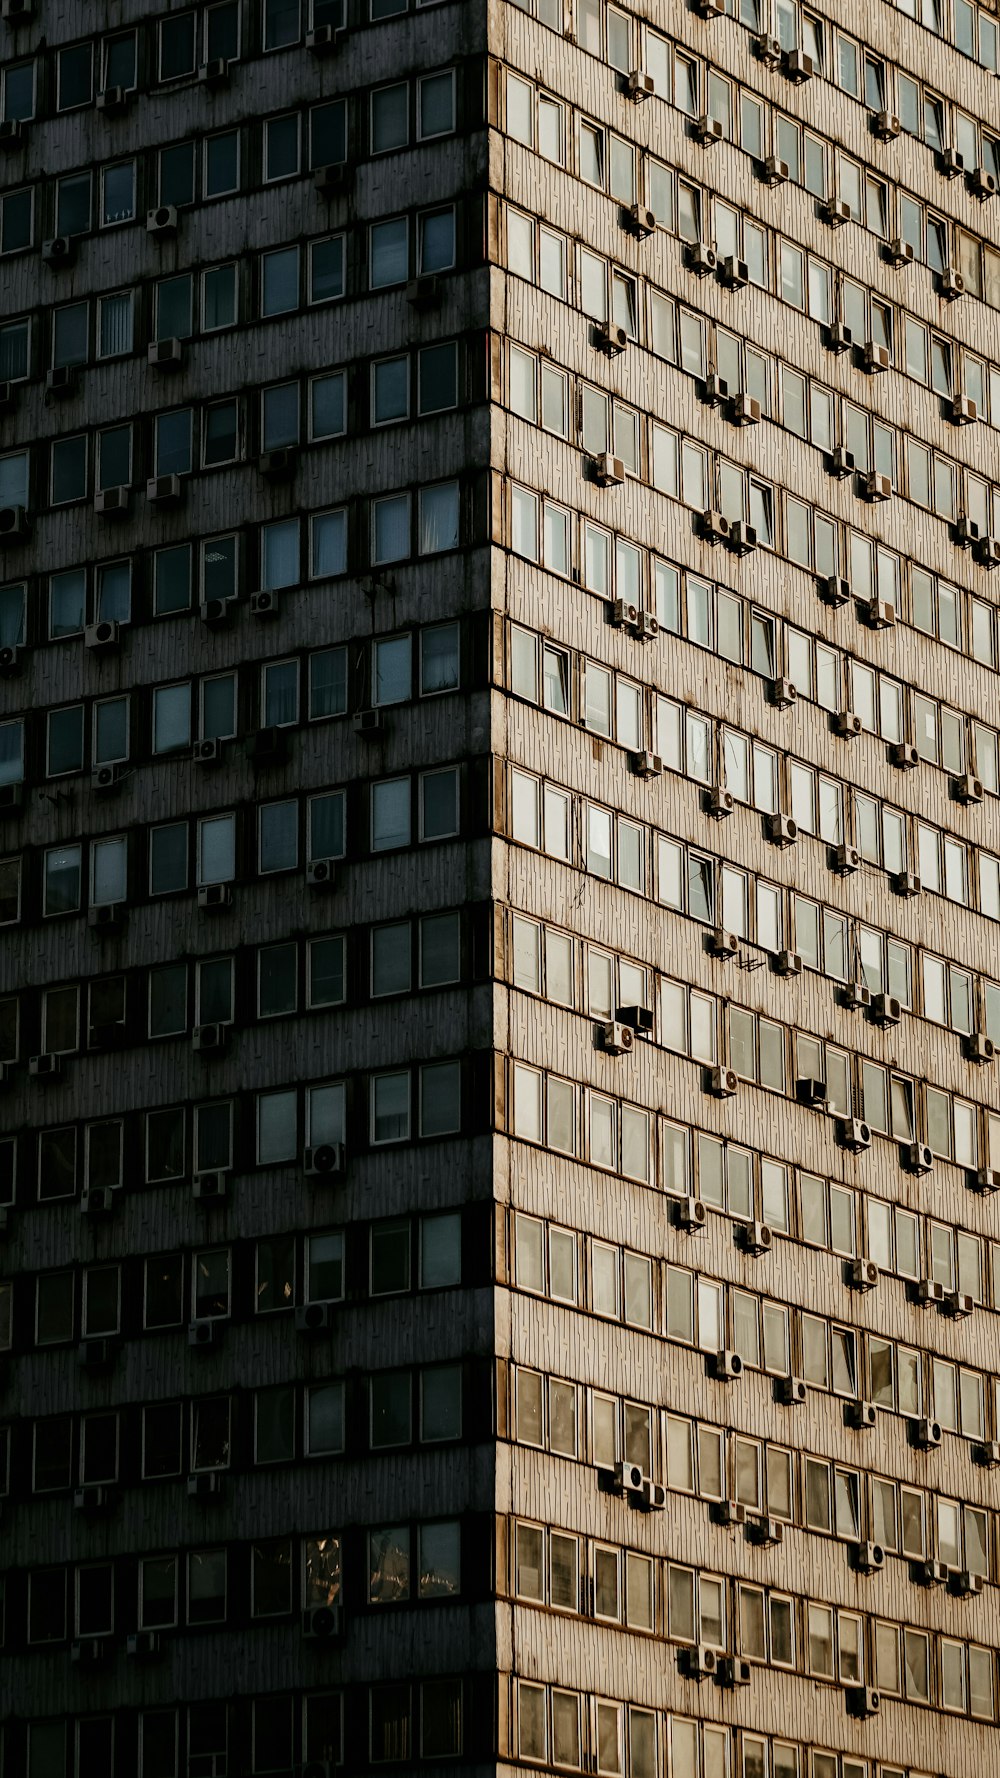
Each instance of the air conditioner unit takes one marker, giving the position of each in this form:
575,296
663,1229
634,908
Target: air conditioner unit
623,615
811,1092
907,884
369,722
166,354
764,1532
60,250
617,1039
12,133
799,67
734,1671
930,1573
321,1623
711,9
320,873
839,337
690,1215
898,253
61,382
97,1201
323,40
723,1083
610,339
210,1188
45,1067
205,1334
723,944
986,1180
719,802
781,830
730,1513
640,85
162,222
334,177
646,764
962,411
327,1160
835,213
967,789
701,259
106,780
863,1701
967,533
628,1478
113,100
142,1645
987,552
927,1434
14,524
862,1274
425,292
208,753
951,163
265,605
700,1662
862,1415
782,694
876,488
646,627
841,462
213,897
951,284
987,1454
856,996
727,1366
773,170
755,1238
11,660
854,1134
904,755
95,1355
638,1018
214,73
714,527
275,465
112,502
791,1391
886,1009
205,1485
879,614
742,539
210,1040
609,471
706,130
835,590
315,1318
217,614
102,637
874,359
640,222
788,963
848,724
768,50
163,490
94,1498
745,411
653,1498
958,1304
929,1293
89,1651
714,390
978,1047
886,126
982,184
268,746
964,1584
108,918
11,799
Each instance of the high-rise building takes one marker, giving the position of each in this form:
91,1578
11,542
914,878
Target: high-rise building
500,888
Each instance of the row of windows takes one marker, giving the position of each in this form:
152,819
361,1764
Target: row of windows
621,850
103,1301
395,1106
282,1423
281,694
276,981
216,851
